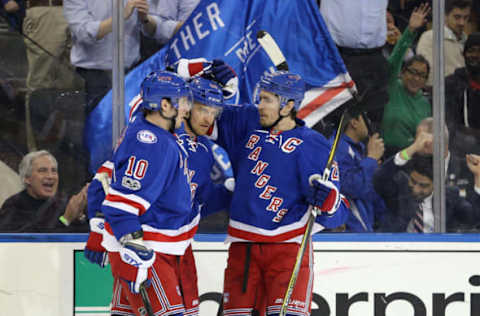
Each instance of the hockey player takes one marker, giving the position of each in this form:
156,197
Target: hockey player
274,156
148,203
94,251
207,196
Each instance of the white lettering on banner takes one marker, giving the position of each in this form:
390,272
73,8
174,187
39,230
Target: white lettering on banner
249,45
197,26
189,38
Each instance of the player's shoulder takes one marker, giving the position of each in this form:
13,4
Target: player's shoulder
311,137
143,136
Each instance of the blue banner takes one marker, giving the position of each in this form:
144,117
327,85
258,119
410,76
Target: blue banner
227,30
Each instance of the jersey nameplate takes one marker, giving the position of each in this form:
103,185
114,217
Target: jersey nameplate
262,182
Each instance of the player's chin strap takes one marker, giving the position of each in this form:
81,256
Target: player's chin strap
280,117
190,125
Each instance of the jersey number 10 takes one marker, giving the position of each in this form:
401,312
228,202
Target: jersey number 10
136,169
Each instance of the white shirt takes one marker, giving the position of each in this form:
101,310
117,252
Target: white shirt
356,23
428,217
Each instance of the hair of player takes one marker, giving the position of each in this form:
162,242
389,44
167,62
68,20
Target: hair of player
416,58
25,167
452,4
293,113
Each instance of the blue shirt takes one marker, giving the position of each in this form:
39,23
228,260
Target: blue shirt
356,23
357,172
84,18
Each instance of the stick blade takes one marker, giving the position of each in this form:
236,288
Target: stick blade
273,51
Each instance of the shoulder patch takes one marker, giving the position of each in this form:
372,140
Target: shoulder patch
146,136
131,184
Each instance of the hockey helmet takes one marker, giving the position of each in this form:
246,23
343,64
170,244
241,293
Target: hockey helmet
165,84
207,93
286,85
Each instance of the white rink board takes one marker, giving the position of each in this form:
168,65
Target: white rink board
37,278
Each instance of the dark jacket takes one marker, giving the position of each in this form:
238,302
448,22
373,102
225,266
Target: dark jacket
21,213
456,85
391,182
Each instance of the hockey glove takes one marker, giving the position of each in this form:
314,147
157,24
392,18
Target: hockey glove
225,76
324,195
94,251
139,260
188,68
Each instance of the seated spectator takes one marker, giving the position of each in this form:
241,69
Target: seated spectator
408,193
38,208
360,43
462,96
14,13
407,106
457,14
456,171
357,165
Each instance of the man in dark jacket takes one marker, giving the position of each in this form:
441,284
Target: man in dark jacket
405,182
39,208
462,100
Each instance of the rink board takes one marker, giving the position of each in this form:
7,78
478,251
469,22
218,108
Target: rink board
355,275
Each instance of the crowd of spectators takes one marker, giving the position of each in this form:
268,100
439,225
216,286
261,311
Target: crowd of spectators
384,154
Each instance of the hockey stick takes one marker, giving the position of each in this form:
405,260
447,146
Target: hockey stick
273,51
103,178
276,56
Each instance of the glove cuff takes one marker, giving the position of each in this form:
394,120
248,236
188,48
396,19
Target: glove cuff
331,203
187,68
94,242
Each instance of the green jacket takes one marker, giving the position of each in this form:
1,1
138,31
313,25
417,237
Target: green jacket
403,111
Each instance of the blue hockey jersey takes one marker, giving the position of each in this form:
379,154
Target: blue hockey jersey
96,193
272,177
150,190
208,197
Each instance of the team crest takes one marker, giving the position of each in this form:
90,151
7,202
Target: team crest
146,136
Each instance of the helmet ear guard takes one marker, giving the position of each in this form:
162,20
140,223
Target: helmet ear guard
286,85
161,85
